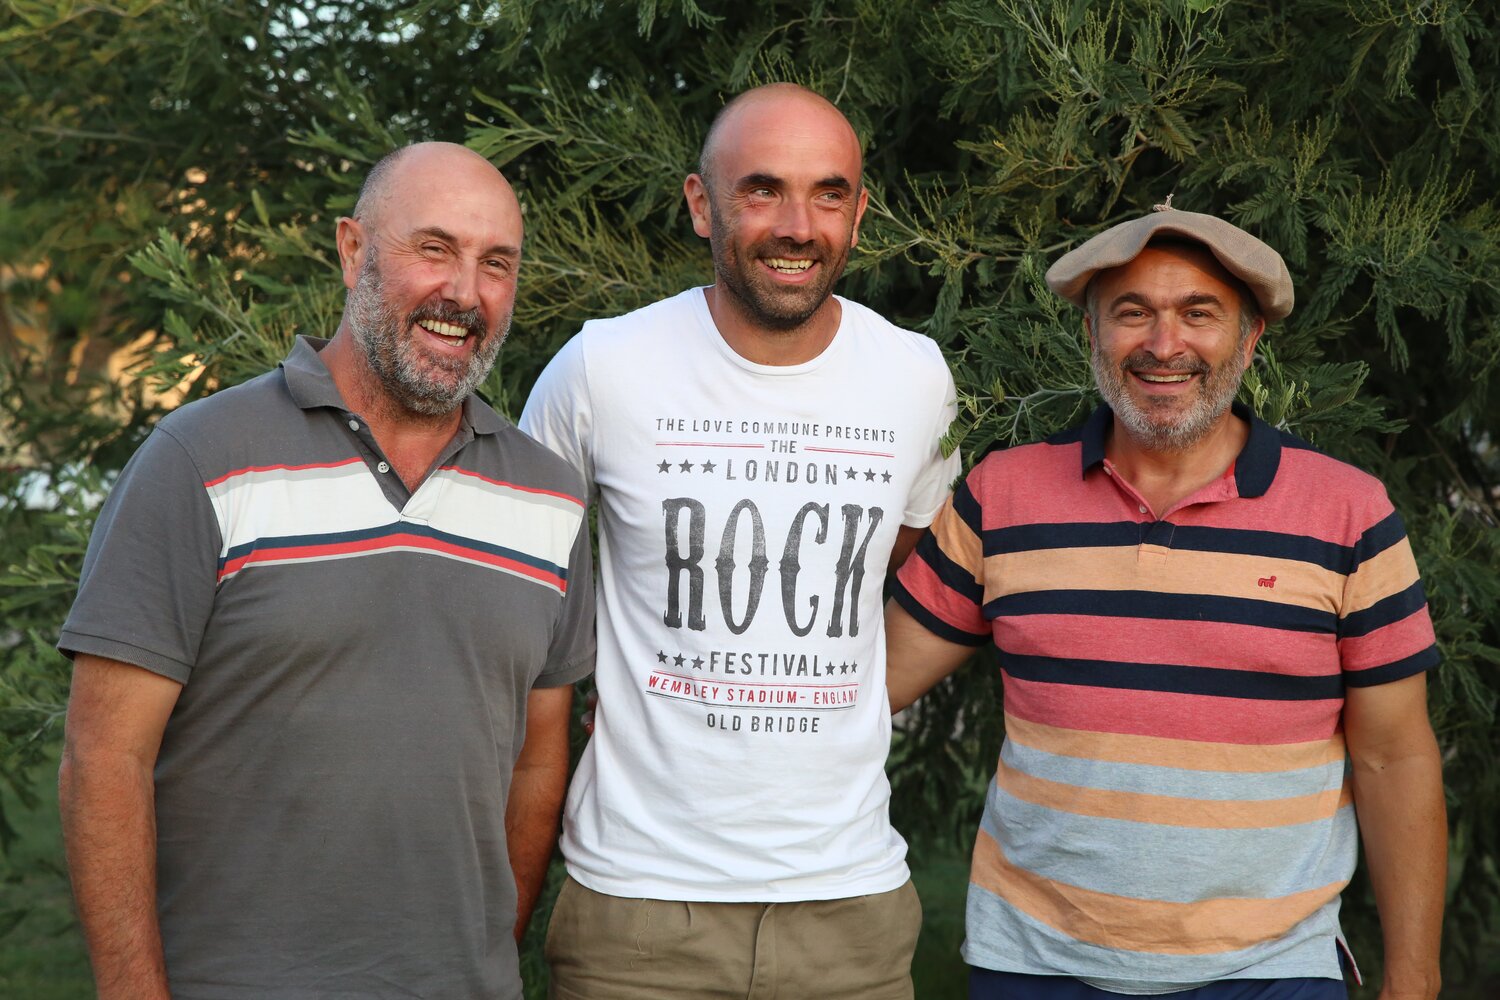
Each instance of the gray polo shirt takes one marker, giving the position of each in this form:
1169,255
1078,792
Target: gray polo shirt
355,660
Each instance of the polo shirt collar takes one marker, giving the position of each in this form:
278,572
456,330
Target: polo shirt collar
311,386
1254,468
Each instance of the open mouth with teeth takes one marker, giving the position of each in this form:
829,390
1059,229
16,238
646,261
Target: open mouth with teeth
448,333
1163,379
787,265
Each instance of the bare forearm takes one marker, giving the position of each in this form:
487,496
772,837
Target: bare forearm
531,819
1403,824
109,830
915,658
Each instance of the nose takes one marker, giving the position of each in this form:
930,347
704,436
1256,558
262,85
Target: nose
462,287
1164,339
793,221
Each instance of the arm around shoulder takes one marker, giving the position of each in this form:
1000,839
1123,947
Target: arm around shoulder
106,794
916,659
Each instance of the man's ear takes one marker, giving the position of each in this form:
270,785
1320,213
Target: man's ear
695,190
859,213
1253,339
351,240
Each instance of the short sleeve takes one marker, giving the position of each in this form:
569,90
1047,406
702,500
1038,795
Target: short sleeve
1384,629
932,483
942,584
150,575
559,413
570,657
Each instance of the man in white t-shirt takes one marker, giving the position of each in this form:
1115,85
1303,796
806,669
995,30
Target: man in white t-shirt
762,452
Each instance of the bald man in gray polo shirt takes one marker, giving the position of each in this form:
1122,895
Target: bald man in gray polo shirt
318,615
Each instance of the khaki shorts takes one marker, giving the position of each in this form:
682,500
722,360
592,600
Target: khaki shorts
604,947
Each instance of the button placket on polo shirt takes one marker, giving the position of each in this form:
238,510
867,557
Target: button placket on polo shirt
1156,536
425,502
423,505
1155,540
384,476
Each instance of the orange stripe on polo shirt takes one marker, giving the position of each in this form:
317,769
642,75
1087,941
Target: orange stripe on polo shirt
958,541
1159,751
1391,572
1168,810
1182,571
1110,921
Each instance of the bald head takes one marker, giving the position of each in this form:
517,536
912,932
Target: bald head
434,201
416,164
766,108
779,198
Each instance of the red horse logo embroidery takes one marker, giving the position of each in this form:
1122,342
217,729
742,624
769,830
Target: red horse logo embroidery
1266,581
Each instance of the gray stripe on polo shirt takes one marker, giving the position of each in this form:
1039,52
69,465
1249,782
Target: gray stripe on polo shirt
1169,863
999,936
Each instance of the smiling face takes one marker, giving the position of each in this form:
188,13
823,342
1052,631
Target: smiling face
1168,345
431,271
780,204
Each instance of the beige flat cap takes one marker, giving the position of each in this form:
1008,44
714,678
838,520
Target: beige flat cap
1242,255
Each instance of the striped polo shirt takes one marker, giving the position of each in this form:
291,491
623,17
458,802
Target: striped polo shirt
1172,803
355,660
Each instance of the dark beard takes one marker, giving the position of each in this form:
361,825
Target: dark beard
781,310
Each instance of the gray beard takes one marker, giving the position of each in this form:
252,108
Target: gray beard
429,387
1217,394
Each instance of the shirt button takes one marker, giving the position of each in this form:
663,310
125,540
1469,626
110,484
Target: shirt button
354,425
383,467
1143,510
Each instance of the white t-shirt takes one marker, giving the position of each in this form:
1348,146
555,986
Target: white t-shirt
746,516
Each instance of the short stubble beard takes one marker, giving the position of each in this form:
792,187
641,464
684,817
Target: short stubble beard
781,310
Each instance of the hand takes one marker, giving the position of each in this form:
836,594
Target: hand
590,703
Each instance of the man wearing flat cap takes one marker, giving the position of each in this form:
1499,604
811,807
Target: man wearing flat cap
1213,642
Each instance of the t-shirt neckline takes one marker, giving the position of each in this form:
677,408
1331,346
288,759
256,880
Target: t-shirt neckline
711,331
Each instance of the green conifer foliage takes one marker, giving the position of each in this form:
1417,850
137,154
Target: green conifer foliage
170,171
